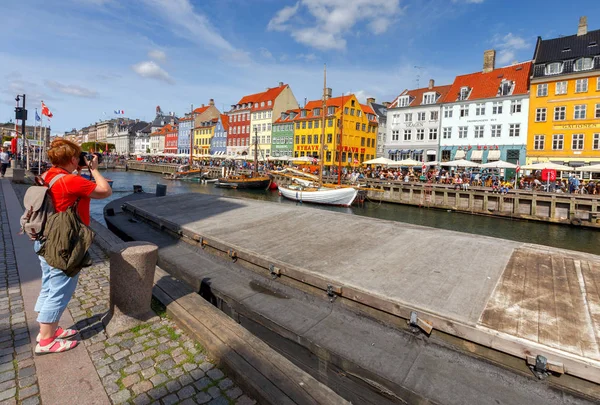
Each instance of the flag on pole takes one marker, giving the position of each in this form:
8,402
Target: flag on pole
37,116
119,112
518,169
46,110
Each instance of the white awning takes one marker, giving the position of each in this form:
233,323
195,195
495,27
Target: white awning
460,154
493,155
432,152
477,155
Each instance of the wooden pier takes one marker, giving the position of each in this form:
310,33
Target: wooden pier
485,295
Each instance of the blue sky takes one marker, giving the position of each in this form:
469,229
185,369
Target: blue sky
85,58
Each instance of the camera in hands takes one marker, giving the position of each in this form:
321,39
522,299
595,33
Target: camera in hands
89,157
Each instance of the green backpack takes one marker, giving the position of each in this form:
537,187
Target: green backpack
66,240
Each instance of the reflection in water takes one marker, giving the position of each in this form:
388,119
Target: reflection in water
566,237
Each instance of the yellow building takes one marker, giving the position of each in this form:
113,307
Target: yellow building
354,140
203,134
564,109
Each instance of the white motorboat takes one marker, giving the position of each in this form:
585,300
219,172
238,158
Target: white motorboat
323,195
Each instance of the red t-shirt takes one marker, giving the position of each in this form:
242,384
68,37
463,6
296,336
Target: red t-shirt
68,189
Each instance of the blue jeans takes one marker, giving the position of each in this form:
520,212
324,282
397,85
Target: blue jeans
57,290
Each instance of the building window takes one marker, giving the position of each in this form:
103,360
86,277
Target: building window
445,155
464,110
560,113
462,132
448,110
538,142
408,117
464,93
577,142
580,112
407,134
421,116
557,142
514,130
554,68
581,85
433,132
364,127
598,84
395,135
330,123
496,130
583,64
420,134
505,88
561,87
315,139
429,98
597,115
540,115
497,107
433,115
447,133
542,90
403,101
596,142
358,126
515,106
478,131
479,109
352,111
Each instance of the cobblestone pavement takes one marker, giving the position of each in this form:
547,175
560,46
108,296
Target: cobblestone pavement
155,363
18,381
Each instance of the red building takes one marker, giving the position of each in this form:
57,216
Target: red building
238,137
171,135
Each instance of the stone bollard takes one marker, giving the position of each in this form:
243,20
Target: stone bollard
132,266
18,176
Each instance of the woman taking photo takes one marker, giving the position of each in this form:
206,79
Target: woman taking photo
57,287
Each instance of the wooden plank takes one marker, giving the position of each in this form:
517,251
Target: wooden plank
591,274
295,383
528,304
568,329
546,301
592,310
579,308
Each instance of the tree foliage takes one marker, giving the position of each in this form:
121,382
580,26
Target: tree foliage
97,146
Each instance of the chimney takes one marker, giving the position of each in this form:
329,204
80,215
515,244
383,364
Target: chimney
431,83
280,84
370,100
202,106
489,60
211,102
582,29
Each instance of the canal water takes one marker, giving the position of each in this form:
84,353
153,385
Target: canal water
561,236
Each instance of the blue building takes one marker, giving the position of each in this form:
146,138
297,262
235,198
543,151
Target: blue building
218,144
183,139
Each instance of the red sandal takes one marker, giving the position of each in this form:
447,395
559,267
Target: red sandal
54,346
61,334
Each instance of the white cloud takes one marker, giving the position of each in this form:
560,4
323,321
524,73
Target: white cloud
310,57
265,54
71,89
334,20
194,26
468,1
508,46
157,55
150,70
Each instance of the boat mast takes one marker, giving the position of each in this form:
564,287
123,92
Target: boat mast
255,152
191,163
321,154
340,145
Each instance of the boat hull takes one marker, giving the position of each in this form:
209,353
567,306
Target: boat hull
334,196
256,184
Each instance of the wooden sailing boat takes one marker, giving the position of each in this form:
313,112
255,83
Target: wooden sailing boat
255,181
317,192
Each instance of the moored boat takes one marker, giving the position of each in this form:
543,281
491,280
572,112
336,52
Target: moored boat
242,181
344,196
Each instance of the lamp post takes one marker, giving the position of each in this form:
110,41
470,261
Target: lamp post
21,114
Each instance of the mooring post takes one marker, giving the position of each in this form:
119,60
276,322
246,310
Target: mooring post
18,175
132,266
161,190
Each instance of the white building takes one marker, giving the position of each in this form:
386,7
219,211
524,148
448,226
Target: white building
413,124
484,115
381,114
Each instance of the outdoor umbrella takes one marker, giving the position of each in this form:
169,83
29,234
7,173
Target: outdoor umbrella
308,159
408,162
460,163
432,163
498,164
380,161
547,165
591,169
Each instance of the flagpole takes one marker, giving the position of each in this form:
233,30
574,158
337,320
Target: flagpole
40,146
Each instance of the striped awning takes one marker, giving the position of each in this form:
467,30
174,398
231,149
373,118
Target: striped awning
493,155
460,154
477,155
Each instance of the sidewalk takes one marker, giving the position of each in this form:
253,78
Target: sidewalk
154,363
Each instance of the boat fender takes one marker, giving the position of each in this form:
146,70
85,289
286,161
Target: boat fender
576,222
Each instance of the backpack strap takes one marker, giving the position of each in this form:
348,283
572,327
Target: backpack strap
55,179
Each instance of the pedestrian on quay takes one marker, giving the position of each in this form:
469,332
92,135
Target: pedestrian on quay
4,161
57,288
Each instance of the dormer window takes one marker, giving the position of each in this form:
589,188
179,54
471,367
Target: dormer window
464,93
429,98
262,103
506,88
269,102
403,101
255,105
303,113
316,112
554,68
583,64
330,110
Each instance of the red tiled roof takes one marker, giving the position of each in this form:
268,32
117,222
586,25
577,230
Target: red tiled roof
333,101
186,119
166,129
269,95
486,85
288,119
225,122
417,95
200,110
